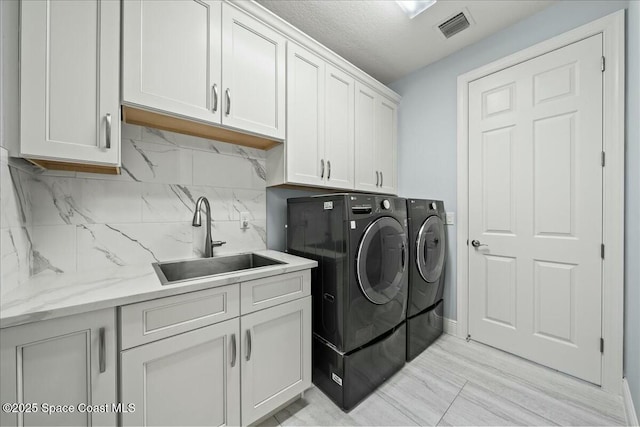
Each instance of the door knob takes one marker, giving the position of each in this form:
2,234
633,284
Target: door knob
477,244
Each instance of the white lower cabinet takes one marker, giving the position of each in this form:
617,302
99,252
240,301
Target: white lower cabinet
66,361
276,357
191,379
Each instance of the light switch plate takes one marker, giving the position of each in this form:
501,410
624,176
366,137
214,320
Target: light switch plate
450,218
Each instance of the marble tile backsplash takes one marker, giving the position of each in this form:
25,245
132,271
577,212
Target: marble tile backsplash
55,222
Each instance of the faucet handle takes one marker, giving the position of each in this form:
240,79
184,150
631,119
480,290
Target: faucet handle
217,243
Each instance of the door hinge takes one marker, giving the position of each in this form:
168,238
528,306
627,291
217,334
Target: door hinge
603,159
603,64
602,250
601,345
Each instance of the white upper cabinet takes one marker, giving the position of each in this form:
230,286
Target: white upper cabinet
69,81
204,60
375,141
253,72
305,121
172,56
386,144
320,125
339,128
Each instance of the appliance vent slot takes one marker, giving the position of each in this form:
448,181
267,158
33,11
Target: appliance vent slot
454,25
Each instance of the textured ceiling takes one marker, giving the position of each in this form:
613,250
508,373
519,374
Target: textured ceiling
380,39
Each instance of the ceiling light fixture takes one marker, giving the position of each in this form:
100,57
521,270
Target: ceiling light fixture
414,8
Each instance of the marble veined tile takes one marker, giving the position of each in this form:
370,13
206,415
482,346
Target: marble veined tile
54,249
477,406
106,245
110,201
238,240
202,144
423,392
167,202
14,211
15,249
162,163
215,170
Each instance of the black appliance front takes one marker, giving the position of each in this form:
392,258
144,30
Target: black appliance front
359,289
423,329
349,378
428,253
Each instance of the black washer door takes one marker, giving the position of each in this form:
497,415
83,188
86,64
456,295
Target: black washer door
430,249
381,260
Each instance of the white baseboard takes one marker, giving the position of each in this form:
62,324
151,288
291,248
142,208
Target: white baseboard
629,409
450,326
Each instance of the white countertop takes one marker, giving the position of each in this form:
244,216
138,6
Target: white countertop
49,296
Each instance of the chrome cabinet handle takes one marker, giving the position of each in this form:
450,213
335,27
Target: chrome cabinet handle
248,344
477,244
228,93
214,89
233,350
102,362
381,179
328,169
377,178
108,131
321,168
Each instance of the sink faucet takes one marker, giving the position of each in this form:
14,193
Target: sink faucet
197,222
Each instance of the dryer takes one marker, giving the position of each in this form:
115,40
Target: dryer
359,289
428,255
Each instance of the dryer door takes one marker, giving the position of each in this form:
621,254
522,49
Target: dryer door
430,249
382,260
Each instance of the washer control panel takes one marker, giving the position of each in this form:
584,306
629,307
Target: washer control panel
385,204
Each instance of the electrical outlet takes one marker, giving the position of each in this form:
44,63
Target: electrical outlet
244,220
450,218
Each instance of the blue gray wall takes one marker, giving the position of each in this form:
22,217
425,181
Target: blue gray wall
427,136
632,222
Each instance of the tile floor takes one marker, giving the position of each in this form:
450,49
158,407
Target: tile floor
455,382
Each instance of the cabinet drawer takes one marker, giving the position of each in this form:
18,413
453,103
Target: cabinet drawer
149,321
270,291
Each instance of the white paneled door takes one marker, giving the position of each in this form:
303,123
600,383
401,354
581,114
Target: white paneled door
535,200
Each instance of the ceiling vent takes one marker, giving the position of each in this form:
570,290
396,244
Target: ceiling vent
454,25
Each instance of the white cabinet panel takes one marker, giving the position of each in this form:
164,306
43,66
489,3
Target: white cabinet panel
339,128
276,357
366,170
263,293
253,70
305,121
70,360
375,142
189,379
69,81
172,56
386,144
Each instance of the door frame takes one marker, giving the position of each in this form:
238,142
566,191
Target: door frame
612,28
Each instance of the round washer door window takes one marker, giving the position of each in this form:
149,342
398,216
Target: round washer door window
430,249
381,261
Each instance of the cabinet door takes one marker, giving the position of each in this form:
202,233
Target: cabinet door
64,361
339,128
367,173
171,56
386,145
253,74
276,357
188,379
69,81
305,116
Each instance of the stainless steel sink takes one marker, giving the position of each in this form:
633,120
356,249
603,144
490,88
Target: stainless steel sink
180,271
